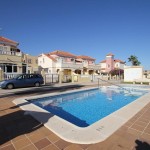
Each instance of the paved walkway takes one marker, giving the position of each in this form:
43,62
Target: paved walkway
20,131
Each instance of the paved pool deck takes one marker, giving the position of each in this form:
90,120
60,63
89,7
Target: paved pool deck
19,130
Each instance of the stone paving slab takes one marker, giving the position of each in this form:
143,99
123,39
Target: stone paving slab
20,131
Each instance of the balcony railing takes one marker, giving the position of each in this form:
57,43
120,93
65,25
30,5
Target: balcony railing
10,53
93,66
72,65
78,66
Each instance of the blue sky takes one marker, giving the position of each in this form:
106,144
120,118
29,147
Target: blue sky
82,27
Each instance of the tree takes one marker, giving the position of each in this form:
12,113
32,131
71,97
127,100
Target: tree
134,60
116,72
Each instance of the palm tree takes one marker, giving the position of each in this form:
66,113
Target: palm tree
134,60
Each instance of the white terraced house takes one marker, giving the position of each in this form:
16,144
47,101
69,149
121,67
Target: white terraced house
67,63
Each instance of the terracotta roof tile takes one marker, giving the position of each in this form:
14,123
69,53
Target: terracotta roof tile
49,56
2,39
118,60
110,54
115,60
103,61
62,54
85,57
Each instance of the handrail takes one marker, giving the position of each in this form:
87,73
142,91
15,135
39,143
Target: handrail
113,84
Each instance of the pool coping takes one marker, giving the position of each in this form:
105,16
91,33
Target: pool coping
94,133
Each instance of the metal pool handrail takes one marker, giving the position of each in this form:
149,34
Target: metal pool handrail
113,84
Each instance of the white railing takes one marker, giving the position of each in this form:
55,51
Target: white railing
79,66
10,75
95,67
72,66
10,53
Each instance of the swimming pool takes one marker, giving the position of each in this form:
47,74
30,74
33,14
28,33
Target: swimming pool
87,107
94,133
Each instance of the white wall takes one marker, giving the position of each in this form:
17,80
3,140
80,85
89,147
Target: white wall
46,62
103,65
132,73
119,65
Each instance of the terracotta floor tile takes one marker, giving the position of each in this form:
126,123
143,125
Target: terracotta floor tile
18,138
147,130
51,147
123,128
21,143
29,147
61,144
144,120
31,133
45,131
13,119
118,147
128,124
137,116
73,147
121,131
140,123
148,125
97,146
137,127
8,147
145,137
133,120
126,143
146,117
4,144
134,132
36,137
85,146
42,143
53,138
112,139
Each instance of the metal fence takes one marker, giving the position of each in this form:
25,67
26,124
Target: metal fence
51,78
10,75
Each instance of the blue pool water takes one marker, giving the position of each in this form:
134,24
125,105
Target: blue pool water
86,107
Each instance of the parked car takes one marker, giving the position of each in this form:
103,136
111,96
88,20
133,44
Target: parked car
23,80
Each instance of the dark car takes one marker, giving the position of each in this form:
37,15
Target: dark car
23,80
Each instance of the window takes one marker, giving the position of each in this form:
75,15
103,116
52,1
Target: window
14,68
43,60
9,69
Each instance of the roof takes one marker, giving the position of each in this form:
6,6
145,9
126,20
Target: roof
3,39
110,54
62,54
115,60
85,57
79,59
49,56
118,60
103,61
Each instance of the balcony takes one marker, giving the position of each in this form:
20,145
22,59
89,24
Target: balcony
94,67
71,66
78,66
12,53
